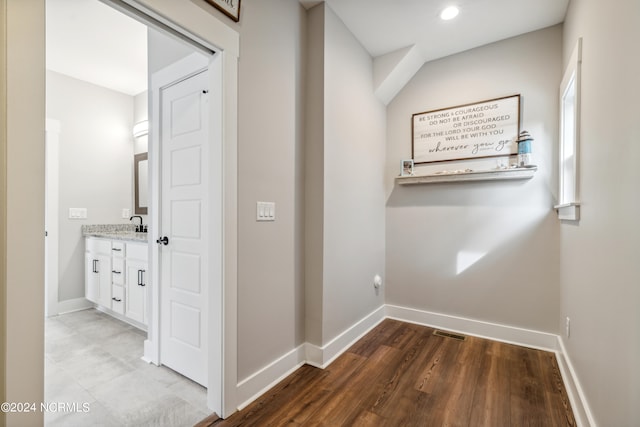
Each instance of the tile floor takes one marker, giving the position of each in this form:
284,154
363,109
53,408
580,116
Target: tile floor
93,358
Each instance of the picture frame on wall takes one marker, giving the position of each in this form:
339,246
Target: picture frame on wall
481,129
406,167
231,8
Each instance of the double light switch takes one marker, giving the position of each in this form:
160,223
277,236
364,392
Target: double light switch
265,211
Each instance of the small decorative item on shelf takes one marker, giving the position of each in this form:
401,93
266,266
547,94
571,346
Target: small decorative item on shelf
524,149
406,167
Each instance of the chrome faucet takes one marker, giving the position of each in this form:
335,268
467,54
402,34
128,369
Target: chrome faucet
139,228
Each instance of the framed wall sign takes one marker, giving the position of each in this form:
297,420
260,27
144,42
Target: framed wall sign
483,129
231,8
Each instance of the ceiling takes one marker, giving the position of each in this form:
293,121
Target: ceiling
89,40
384,26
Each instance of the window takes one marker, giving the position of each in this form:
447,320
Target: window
568,202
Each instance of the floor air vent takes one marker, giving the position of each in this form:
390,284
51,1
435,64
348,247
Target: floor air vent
449,335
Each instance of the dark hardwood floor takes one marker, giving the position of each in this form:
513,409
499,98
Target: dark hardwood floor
401,374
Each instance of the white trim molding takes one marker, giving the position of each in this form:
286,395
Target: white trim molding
577,398
477,328
321,357
568,211
263,380
76,304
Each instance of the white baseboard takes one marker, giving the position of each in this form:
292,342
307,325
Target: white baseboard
122,318
322,357
492,331
71,305
581,410
260,382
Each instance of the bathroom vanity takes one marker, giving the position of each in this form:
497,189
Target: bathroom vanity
116,271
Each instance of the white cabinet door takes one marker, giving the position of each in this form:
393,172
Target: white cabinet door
98,280
91,279
98,271
135,301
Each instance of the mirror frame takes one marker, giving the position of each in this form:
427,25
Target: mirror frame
137,158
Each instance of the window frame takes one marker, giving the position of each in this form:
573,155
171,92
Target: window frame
568,206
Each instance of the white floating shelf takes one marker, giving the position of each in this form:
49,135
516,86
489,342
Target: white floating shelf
489,175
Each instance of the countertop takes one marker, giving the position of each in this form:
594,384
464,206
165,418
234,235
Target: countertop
115,232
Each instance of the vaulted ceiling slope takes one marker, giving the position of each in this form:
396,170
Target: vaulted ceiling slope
404,34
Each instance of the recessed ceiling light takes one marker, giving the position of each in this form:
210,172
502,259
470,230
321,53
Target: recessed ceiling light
449,13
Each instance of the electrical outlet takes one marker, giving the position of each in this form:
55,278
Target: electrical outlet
126,213
77,213
377,281
568,327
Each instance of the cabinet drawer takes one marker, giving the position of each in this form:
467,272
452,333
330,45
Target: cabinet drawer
98,246
117,271
117,299
117,248
138,251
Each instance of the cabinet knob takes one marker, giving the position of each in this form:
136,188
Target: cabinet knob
163,240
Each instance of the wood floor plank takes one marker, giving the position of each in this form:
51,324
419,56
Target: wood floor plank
340,373
376,337
556,398
463,383
359,388
402,375
491,400
527,395
434,369
400,393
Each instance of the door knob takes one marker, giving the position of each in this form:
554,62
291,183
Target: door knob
163,240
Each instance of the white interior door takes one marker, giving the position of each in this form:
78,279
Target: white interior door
184,213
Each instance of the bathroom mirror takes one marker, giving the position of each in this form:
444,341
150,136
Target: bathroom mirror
141,183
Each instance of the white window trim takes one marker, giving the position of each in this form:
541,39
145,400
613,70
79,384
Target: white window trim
570,209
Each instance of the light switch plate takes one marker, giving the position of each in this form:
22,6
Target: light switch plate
77,213
265,211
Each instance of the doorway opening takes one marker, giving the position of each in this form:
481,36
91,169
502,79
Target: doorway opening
66,294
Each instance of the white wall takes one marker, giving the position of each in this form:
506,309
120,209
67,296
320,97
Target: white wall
270,284
96,157
354,158
599,269
485,251
344,180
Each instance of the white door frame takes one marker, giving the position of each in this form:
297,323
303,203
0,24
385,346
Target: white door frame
188,19
52,129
